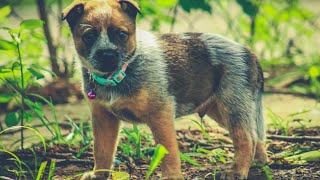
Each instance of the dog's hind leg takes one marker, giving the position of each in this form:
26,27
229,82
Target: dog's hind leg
241,125
261,154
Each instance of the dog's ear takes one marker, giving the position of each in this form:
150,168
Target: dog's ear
130,7
73,12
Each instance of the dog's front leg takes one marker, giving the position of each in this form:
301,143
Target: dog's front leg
105,130
162,127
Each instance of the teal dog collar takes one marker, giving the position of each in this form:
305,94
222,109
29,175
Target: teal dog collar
113,80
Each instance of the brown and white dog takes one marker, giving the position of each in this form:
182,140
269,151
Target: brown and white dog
136,76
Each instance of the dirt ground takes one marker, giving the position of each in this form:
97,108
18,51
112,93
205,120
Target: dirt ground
68,166
189,136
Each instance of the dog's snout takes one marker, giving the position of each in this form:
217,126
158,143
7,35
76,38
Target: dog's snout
106,54
106,60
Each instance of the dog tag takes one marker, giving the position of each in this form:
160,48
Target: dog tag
91,94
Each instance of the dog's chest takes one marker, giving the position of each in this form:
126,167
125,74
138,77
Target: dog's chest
133,108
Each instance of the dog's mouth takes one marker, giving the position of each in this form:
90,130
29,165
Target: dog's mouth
108,67
105,68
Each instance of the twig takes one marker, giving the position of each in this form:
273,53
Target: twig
286,92
294,138
175,13
62,125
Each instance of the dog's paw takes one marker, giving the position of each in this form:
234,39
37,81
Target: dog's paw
229,175
93,176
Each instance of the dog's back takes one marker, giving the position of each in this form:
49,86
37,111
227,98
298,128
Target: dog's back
212,75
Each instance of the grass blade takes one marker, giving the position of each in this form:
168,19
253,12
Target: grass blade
203,130
120,176
30,128
158,155
51,170
188,159
41,170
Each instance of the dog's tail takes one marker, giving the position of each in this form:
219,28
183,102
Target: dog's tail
259,117
261,132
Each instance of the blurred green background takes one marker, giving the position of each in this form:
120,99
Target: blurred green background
284,34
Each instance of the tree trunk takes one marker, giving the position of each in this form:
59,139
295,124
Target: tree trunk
51,46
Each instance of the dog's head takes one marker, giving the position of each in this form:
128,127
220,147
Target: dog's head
103,32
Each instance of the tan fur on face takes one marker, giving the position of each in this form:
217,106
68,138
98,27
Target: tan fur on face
103,15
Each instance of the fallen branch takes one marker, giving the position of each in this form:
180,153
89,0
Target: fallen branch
294,138
270,90
62,125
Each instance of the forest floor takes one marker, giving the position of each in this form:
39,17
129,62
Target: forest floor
71,164
68,166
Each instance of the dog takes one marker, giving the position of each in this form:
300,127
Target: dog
136,76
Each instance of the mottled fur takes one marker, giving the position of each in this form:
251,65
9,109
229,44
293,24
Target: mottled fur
169,75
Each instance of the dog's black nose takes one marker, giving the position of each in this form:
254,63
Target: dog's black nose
106,60
106,54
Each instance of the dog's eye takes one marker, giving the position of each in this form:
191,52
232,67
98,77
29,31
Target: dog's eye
89,38
123,36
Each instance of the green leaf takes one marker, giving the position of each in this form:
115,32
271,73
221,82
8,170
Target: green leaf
4,70
158,155
31,24
5,11
39,112
27,116
167,3
35,66
250,7
120,176
4,97
314,71
41,170
11,119
51,170
36,73
38,105
30,103
188,159
7,45
39,36
36,84
15,65
188,5
312,156
15,37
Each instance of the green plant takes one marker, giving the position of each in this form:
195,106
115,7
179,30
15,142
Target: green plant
187,158
266,169
279,123
77,131
158,155
19,77
23,168
282,125
130,145
42,169
214,156
203,130
19,173
313,79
